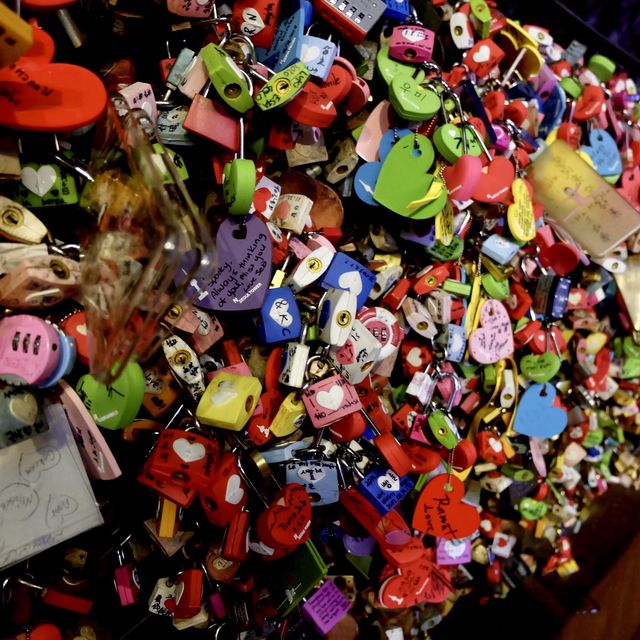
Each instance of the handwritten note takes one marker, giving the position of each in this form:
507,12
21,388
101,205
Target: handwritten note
45,495
580,201
326,607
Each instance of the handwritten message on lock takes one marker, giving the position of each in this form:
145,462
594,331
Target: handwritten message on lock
329,400
326,607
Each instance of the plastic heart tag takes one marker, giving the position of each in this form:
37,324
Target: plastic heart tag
463,177
409,587
407,165
520,215
495,181
441,512
67,96
115,405
536,416
287,522
540,368
242,278
411,100
604,153
494,340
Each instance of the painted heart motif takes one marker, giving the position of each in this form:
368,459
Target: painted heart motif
494,340
24,407
463,177
352,281
389,482
331,399
490,448
187,451
241,280
413,35
40,181
309,53
482,54
540,368
287,522
252,22
234,491
495,181
440,511
261,199
408,587
604,153
226,392
536,416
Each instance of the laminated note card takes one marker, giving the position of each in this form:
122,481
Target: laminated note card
45,495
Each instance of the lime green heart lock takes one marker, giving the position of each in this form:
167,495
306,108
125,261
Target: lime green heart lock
232,85
403,177
283,86
113,406
389,69
531,509
540,368
239,181
412,100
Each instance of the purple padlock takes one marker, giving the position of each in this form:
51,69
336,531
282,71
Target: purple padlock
29,349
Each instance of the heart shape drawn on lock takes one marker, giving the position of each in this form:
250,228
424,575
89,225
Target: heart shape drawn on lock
463,177
38,96
494,340
253,22
536,415
287,522
351,281
331,399
441,512
40,181
540,368
58,508
187,451
234,491
389,482
242,279
495,181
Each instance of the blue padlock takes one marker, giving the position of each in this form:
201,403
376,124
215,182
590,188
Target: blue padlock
345,273
67,358
553,110
318,55
398,10
287,43
279,317
385,489
318,477
499,249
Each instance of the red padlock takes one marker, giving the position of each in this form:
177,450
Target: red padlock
188,593
227,493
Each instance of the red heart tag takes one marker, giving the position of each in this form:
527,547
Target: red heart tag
495,181
630,189
589,104
287,522
49,97
463,177
440,512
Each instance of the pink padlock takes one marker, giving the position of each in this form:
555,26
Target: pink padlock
29,350
191,8
411,43
329,400
357,97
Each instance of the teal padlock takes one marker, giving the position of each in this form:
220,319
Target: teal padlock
239,181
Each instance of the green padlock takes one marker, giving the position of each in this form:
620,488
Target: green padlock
44,185
413,101
481,17
495,288
283,87
115,405
177,160
389,68
239,181
531,509
453,251
443,429
228,80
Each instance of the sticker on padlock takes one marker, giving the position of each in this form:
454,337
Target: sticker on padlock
228,401
329,400
385,489
318,477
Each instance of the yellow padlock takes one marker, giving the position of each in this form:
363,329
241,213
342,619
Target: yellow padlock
290,416
16,36
229,400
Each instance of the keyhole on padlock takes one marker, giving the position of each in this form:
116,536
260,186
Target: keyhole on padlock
314,264
410,53
344,318
282,86
174,312
182,357
232,90
422,325
458,30
59,269
315,497
248,403
12,216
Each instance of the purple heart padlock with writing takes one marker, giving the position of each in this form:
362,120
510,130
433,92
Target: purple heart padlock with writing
242,278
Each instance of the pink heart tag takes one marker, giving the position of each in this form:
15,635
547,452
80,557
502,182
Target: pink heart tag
494,340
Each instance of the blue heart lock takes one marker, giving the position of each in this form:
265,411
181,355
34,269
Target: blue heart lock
536,416
604,153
